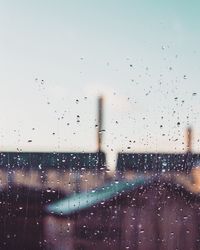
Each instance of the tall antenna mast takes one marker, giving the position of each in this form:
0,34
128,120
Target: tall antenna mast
189,139
100,124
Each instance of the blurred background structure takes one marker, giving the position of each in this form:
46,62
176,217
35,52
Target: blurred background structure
126,176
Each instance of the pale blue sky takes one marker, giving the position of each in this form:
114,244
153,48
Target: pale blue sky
85,48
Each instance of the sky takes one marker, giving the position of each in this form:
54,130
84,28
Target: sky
57,57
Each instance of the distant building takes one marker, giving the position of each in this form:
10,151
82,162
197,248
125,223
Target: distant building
130,164
67,172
